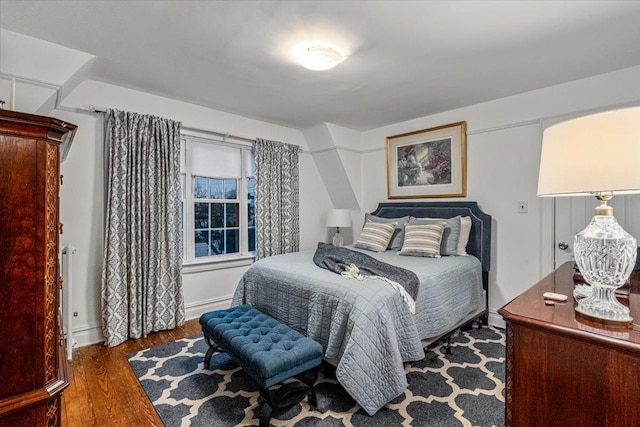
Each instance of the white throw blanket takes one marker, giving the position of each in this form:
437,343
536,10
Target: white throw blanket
352,272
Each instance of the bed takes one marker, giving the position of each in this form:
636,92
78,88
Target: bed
365,327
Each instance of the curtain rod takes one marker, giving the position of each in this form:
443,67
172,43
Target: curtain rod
223,135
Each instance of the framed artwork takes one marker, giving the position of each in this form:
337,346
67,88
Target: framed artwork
428,163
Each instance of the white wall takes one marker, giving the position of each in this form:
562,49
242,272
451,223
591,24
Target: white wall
503,143
82,196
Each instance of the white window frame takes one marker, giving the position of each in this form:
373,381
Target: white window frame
190,263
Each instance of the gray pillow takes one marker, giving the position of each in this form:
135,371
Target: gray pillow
450,236
398,234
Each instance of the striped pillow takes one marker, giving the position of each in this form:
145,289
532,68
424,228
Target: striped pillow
450,235
422,240
398,234
376,236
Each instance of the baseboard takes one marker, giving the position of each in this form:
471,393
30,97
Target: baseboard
92,334
87,335
196,309
496,320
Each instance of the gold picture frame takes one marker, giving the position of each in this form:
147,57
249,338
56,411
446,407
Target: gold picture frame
428,163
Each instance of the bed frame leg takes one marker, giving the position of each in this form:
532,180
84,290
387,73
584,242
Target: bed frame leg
448,349
482,321
485,286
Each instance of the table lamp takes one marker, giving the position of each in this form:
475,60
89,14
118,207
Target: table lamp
597,155
338,218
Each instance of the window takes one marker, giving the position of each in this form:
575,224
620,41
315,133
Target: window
218,200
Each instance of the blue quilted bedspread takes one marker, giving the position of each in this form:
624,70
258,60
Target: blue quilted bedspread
365,325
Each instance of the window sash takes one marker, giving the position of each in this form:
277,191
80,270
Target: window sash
189,201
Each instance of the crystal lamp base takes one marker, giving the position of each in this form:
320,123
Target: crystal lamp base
603,306
605,255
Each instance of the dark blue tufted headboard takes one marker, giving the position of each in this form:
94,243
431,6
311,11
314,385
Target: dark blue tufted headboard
480,238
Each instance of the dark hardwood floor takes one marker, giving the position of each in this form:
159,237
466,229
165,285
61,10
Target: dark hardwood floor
103,390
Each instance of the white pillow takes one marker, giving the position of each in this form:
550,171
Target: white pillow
463,238
375,236
422,240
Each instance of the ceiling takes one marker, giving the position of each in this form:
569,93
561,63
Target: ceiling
405,59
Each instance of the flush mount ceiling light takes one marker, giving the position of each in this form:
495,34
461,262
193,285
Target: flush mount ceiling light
317,57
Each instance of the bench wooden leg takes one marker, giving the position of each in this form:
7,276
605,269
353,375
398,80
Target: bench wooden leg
207,358
265,414
213,347
309,378
275,401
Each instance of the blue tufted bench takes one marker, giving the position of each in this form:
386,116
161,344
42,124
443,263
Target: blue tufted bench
269,352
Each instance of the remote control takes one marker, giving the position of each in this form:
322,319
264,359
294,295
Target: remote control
554,296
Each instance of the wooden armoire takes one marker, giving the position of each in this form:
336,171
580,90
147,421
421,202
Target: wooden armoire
33,367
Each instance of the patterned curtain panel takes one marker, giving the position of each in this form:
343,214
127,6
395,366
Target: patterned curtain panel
277,190
141,280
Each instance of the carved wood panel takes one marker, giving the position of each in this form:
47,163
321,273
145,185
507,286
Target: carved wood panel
53,413
508,391
51,262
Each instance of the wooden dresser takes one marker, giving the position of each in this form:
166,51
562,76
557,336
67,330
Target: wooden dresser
33,369
564,370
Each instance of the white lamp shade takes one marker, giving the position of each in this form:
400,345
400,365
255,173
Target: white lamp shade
596,153
339,218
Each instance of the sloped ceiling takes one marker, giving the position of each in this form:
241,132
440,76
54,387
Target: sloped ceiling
41,69
406,59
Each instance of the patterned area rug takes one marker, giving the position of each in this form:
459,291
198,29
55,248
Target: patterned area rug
465,388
